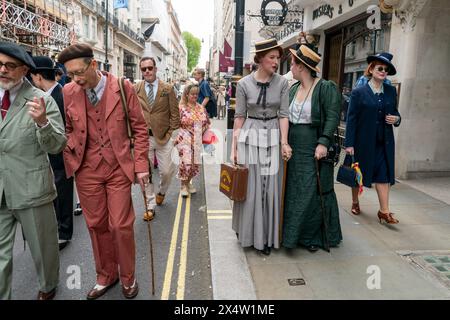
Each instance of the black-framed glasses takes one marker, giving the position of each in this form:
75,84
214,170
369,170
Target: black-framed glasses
79,73
10,66
381,69
143,69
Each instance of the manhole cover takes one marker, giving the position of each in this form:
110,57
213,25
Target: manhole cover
296,282
436,263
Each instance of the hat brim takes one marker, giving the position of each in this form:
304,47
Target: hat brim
316,69
392,70
269,48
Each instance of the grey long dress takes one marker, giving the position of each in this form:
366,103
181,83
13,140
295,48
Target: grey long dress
257,219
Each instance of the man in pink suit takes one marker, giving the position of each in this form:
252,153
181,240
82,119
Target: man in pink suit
98,154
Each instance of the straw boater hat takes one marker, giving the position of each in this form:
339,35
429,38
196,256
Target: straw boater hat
266,45
307,56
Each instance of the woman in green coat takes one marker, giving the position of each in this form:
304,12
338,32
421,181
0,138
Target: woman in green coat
313,118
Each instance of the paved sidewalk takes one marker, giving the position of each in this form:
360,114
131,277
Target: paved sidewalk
412,258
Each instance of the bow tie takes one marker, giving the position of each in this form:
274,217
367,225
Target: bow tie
262,93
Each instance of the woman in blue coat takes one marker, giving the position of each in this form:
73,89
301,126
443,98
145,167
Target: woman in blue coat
369,133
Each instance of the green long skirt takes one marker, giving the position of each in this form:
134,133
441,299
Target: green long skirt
303,215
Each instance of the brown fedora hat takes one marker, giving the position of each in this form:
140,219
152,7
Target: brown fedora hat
307,56
267,45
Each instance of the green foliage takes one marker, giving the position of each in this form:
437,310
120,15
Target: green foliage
194,46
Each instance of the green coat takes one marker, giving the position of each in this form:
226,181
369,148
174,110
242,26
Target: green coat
303,215
331,104
26,178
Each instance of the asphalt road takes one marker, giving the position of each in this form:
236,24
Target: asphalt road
181,253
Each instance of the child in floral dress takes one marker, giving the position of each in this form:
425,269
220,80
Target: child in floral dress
193,123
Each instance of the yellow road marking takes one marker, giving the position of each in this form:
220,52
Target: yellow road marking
171,257
219,211
220,217
184,247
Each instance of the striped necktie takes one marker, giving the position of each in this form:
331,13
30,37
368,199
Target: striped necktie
150,95
6,103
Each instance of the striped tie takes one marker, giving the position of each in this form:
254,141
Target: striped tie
150,95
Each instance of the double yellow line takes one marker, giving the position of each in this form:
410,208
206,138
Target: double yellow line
183,255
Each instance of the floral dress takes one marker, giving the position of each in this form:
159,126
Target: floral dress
193,123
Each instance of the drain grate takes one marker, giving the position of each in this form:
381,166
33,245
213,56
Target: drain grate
436,263
296,282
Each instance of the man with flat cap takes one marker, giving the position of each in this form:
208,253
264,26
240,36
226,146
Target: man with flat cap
31,126
44,77
98,153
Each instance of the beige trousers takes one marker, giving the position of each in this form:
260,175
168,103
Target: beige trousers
166,166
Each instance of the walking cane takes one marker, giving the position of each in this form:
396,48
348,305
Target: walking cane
322,205
283,189
151,243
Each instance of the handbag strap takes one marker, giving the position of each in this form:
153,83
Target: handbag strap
125,110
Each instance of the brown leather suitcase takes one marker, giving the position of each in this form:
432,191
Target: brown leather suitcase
233,181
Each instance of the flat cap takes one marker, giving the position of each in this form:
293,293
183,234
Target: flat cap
17,52
75,51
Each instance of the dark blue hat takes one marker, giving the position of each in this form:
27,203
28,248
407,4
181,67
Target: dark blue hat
43,63
17,52
386,58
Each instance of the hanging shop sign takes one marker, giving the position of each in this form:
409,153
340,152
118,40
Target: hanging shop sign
273,17
275,13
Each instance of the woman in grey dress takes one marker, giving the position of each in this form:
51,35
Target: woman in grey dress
261,117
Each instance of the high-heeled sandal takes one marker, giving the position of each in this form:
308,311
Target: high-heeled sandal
355,208
387,217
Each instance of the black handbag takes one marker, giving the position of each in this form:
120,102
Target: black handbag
346,174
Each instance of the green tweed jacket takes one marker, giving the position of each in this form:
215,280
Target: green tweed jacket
26,179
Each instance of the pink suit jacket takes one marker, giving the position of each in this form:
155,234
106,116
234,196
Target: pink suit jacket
76,127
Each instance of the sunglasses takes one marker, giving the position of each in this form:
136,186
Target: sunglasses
381,69
147,68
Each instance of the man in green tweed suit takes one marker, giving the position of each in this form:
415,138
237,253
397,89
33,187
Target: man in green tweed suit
30,127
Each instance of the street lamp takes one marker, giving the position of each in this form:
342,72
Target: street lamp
167,73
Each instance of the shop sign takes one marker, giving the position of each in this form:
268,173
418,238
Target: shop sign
275,13
328,10
273,17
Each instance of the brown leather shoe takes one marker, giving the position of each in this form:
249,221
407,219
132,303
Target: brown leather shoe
149,215
159,198
355,208
387,217
46,295
130,292
95,293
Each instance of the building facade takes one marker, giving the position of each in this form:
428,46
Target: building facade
155,23
177,61
417,33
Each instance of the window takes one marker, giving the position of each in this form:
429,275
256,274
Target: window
94,29
86,26
380,41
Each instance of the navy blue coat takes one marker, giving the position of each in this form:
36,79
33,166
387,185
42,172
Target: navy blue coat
362,128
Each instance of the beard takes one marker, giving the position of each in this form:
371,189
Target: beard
9,84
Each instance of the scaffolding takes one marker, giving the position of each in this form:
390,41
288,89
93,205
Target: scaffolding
35,30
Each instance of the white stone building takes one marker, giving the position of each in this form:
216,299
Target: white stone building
417,33
154,14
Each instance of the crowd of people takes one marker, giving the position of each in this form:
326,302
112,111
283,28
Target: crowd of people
99,134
